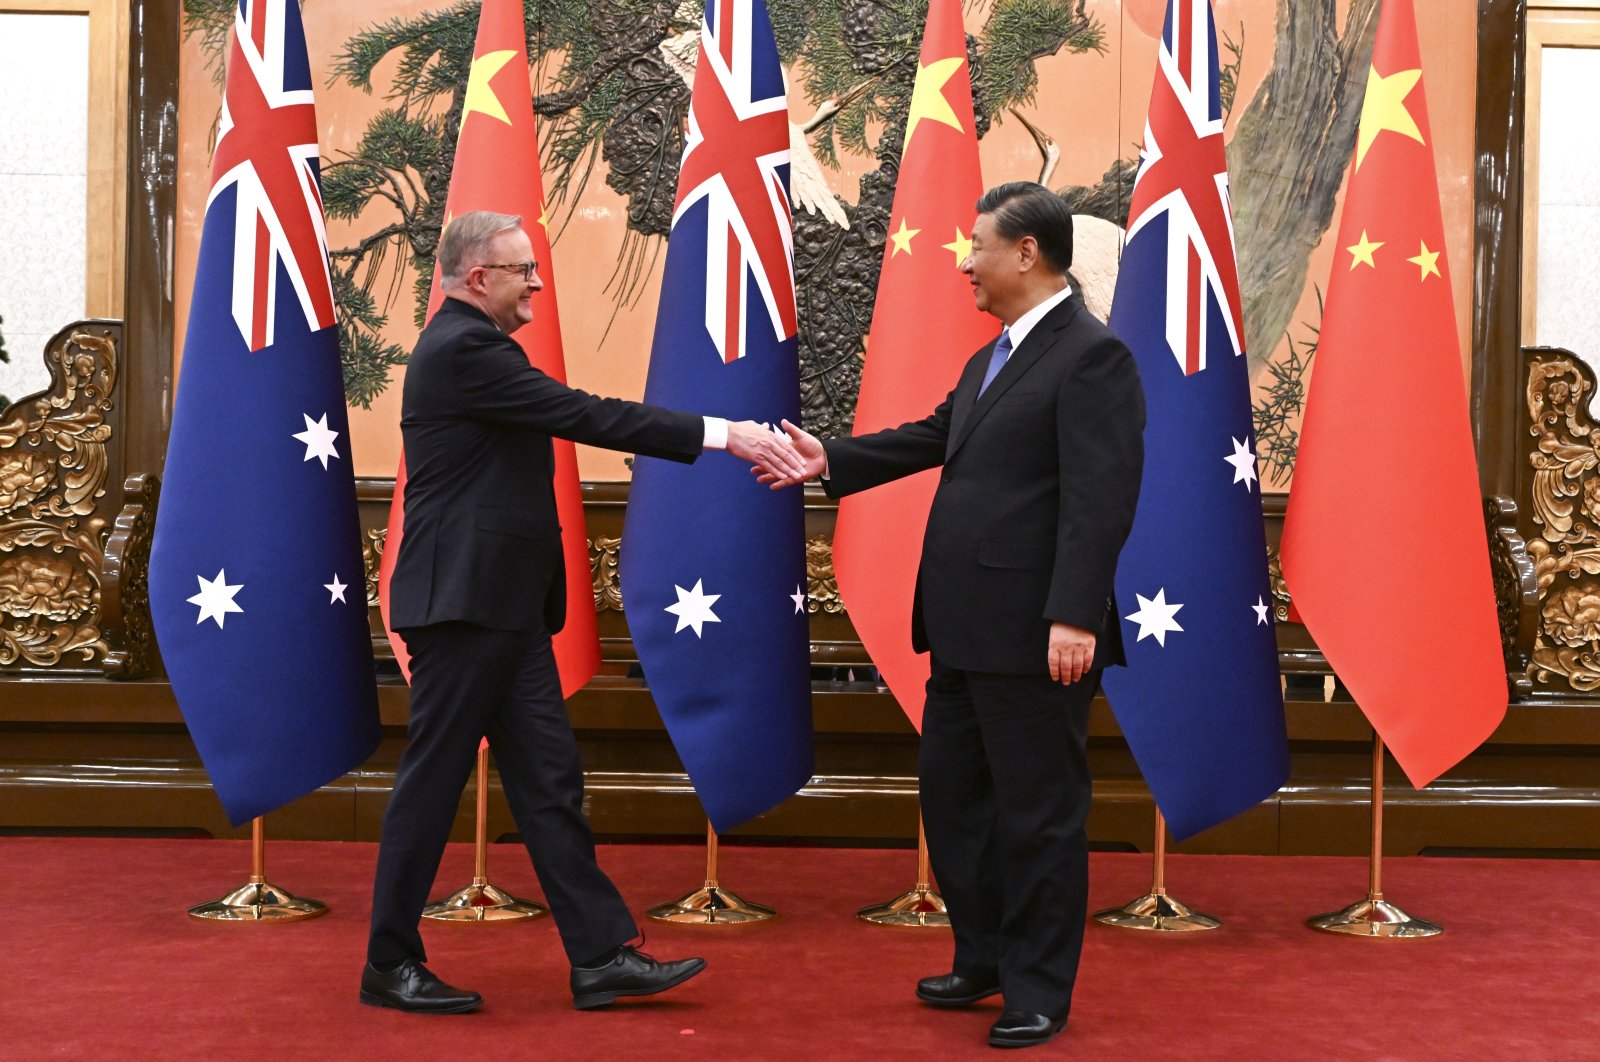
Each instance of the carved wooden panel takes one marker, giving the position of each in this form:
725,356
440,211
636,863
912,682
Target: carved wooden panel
1563,494
53,471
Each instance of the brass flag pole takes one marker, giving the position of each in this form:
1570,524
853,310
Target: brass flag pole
481,901
258,900
919,907
1156,910
711,904
1375,916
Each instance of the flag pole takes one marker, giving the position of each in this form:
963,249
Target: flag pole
1375,916
258,900
711,904
921,907
1155,910
481,901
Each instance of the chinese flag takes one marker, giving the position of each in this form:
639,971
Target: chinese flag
1384,548
924,328
497,168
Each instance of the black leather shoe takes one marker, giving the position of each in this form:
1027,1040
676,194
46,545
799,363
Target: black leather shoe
412,986
1021,1028
953,990
630,973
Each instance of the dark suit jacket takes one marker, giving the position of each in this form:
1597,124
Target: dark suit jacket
482,541
1041,477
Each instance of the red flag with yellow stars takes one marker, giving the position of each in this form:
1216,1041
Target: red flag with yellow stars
924,328
1384,549
497,168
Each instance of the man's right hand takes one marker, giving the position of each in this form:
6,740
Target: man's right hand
808,449
772,453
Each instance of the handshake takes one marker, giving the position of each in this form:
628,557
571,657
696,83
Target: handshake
779,458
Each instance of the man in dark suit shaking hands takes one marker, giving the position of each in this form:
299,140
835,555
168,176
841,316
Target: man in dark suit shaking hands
478,590
1041,444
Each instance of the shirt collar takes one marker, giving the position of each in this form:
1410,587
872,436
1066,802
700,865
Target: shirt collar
1024,324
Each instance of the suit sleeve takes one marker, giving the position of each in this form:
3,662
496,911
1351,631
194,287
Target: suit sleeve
864,461
496,383
1100,433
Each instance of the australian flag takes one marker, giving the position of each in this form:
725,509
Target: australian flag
1200,701
713,564
257,586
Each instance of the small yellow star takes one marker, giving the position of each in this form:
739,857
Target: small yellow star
544,219
480,97
902,239
1384,108
962,246
1427,261
927,95
1363,251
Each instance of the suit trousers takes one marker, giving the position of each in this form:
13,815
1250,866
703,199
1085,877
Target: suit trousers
1005,792
470,682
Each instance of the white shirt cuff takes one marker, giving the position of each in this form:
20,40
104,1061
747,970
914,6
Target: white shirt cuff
716,434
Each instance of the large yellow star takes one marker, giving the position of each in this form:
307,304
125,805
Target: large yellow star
902,239
1385,108
480,97
1427,261
1362,251
927,96
962,246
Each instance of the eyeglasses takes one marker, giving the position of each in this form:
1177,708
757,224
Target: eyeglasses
526,268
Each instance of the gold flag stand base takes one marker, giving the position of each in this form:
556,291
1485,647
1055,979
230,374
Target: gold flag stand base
1375,916
259,900
1155,910
921,908
1159,912
711,904
481,901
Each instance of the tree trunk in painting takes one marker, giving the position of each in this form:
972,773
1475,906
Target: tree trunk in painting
1287,160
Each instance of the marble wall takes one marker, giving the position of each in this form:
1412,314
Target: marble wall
44,105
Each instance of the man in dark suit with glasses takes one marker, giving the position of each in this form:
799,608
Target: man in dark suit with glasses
478,590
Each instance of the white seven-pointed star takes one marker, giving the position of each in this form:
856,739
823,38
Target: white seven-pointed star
335,589
693,608
216,598
1260,608
799,599
1155,617
1243,462
318,438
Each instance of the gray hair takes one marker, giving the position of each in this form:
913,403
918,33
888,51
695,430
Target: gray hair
466,240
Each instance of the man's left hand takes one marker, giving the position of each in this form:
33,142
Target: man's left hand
1071,652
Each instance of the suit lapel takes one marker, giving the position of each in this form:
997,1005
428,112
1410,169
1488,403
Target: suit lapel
970,406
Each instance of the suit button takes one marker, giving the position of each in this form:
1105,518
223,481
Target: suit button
944,477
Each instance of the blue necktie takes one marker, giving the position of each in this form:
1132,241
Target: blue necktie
1002,351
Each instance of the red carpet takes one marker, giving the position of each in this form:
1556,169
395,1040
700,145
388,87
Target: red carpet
101,962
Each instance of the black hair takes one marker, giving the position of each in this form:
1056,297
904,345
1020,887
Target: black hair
1023,208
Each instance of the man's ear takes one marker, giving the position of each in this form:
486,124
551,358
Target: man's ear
1027,253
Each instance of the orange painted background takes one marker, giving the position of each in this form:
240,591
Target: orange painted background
1092,104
